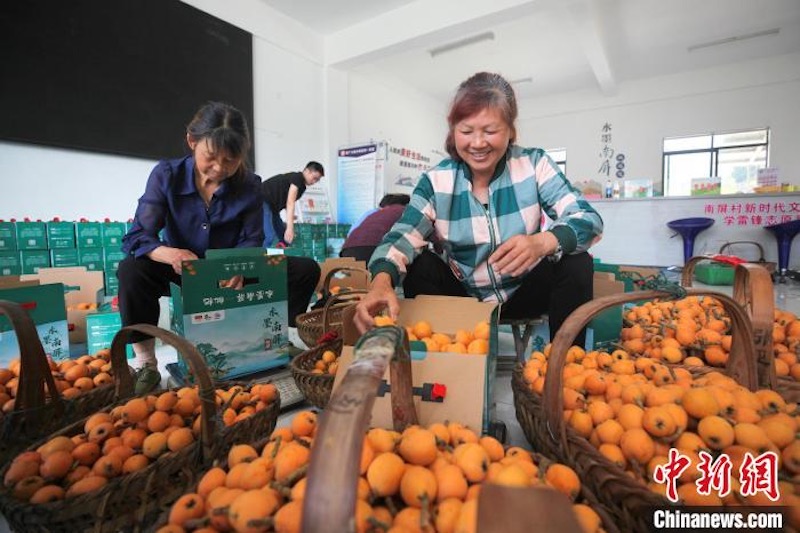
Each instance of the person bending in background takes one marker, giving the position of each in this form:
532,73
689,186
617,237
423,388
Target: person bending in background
209,199
282,192
484,204
366,234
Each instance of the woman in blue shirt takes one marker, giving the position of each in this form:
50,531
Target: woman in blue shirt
206,200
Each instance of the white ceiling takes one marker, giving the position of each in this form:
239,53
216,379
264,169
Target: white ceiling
562,45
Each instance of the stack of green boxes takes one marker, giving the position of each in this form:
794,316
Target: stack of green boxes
27,246
318,241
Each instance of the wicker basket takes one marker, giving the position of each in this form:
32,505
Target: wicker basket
311,326
39,408
754,290
130,502
541,417
315,387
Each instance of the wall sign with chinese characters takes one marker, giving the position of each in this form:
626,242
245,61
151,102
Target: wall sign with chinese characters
612,163
753,213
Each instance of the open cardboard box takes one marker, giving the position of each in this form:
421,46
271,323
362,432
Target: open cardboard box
352,280
82,288
468,379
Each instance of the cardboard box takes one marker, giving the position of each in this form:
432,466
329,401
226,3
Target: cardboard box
8,236
606,326
60,234
113,232
32,261
66,257
10,264
31,235
81,288
468,379
112,258
91,258
112,283
45,305
101,327
343,279
238,332
89,234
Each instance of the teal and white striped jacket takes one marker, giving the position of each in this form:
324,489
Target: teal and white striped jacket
442,205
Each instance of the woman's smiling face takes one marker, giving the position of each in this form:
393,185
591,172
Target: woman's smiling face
481,140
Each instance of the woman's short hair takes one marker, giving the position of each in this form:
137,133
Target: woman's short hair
226,130
482,90
394,199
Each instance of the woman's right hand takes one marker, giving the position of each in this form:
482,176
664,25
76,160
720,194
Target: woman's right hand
172,256
381,296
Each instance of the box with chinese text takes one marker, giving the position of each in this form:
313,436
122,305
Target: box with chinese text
45,305
238,331
31,235
8,236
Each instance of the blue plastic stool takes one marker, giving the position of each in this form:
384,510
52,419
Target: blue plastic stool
689,228
784,234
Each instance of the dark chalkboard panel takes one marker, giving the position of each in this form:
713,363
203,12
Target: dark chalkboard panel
120,76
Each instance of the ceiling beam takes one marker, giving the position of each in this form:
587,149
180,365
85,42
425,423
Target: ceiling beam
590,30
420,24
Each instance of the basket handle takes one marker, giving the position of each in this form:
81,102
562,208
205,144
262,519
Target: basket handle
35,375
125,386
336,452
741,364
331,302
326,284
753,290
754,243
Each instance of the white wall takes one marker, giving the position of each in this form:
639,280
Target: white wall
42,182
382,113
747,95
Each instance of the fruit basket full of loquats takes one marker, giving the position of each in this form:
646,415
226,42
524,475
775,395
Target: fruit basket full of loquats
311,326
329,472
116,469
624,422
40,396
695,332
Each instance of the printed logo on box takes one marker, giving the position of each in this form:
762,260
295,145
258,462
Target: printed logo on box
212,316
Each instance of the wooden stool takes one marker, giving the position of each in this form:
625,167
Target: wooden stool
522,329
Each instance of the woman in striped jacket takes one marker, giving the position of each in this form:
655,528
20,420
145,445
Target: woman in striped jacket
484,205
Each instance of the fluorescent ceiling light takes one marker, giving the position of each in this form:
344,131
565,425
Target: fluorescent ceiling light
520,81
734,39
449,47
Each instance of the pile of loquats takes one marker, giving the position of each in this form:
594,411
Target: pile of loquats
420,480
696,331
474,342
634,409
122,441
73,377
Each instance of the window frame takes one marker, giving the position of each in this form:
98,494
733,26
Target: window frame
713,151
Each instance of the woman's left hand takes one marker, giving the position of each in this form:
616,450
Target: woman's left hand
519,253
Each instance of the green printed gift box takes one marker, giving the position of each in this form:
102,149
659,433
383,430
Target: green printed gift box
238,331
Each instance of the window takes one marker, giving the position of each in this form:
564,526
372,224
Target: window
559,155
734,158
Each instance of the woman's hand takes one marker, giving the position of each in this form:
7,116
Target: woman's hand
519,253
288,235
236,283
381,295
172,256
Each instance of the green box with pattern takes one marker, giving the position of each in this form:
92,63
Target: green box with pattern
89,234
8,236
33,260
10,264
31,235
60,234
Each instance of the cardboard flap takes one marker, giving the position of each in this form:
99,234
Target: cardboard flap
80,285
10,282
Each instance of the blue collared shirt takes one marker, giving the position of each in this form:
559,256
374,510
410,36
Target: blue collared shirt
233,218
